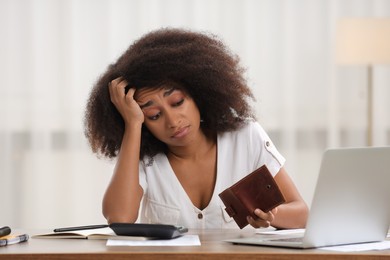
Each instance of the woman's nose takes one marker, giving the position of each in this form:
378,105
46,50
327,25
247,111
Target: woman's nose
172,120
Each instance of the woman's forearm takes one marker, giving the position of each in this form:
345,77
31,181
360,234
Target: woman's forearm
291,215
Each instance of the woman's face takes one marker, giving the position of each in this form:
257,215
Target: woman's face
171,115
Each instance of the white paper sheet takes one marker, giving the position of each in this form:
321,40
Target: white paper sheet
186,240
360,247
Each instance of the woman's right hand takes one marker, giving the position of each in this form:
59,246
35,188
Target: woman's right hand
125,103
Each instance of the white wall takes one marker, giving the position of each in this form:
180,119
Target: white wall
52,51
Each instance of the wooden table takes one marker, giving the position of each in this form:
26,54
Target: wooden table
212,248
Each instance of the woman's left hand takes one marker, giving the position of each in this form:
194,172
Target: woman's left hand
264,218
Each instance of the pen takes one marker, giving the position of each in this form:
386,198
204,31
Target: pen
13,239
79,228
4,231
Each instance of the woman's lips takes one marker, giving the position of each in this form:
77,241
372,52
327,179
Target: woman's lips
181,132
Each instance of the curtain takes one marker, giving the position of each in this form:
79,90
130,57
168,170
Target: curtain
53,51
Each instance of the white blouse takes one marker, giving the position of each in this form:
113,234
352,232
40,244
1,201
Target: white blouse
239,153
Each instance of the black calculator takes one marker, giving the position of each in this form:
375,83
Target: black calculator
158,231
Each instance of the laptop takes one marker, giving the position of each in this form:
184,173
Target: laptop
350,203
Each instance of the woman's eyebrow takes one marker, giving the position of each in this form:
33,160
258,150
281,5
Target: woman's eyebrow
168,92
149,103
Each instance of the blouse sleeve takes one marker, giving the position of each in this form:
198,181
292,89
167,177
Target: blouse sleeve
263,149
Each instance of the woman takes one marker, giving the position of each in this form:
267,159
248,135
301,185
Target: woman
174,110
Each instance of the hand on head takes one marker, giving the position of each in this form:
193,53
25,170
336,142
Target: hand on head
124,102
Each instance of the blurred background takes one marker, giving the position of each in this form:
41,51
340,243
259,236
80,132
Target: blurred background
53,51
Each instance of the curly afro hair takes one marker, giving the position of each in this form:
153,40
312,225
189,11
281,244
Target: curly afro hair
198,62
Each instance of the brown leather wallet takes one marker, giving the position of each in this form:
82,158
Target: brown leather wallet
256,190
